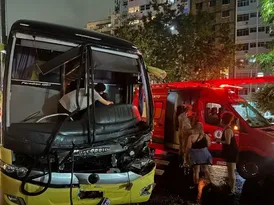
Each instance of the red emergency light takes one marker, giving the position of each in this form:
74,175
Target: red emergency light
230,86
232,83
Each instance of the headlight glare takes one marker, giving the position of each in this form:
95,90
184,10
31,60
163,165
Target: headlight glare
11,169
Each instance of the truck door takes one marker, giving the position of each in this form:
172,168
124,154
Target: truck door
159,118
174,99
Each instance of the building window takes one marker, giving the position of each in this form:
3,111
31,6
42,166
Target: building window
199,6
212,3
142,8
225,14
125,3
267,29
243,32
253,30
253,15
252,45
133,9
242,47
134,22
243,91
225,2
241,63
242,75
242,3
242,17
253,1
261,44
269,44
147,6
261,29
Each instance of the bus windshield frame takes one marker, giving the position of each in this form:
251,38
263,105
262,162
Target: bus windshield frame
42,38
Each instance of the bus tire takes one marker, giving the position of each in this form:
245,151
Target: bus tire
249,165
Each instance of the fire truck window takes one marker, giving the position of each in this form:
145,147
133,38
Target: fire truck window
213,113
158,110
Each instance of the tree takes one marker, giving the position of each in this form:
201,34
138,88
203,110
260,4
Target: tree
267,11
187,47
264,98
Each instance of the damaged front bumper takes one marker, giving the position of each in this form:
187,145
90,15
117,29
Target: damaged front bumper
88,188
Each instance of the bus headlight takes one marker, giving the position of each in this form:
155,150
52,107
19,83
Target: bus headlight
13,170
147,190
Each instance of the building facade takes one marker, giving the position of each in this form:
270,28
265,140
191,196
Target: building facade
126,8
225,15
103,26
224,11
143,7
252,37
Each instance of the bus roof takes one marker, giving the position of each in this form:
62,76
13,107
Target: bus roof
79,36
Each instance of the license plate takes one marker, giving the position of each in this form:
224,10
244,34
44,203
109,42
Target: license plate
105,201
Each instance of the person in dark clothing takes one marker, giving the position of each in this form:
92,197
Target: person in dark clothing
230,148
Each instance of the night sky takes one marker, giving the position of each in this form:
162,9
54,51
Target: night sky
74,13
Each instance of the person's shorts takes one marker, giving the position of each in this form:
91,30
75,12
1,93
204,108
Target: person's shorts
200,156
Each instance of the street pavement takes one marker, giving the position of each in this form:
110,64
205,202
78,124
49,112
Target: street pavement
172,187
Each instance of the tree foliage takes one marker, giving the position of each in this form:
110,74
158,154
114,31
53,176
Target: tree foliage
190,51
267,11
264,98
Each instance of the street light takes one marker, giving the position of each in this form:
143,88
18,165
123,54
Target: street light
172,28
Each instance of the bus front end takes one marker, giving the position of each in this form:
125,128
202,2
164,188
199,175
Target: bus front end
98,155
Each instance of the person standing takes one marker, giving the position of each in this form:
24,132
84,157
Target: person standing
229,148
184,128
197,147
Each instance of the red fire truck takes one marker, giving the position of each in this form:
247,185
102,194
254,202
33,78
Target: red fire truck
254,134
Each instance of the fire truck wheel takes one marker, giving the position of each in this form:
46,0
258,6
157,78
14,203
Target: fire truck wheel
249,165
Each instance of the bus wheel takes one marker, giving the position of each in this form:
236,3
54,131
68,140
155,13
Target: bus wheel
249,165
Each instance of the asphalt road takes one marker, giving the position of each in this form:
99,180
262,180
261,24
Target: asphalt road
172,187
